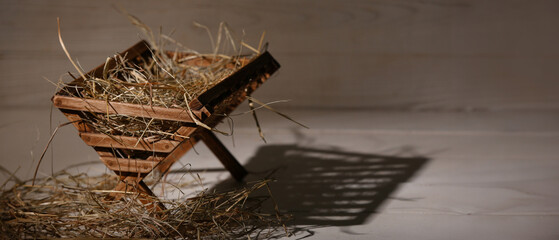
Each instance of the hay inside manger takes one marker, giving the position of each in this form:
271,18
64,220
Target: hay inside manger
150,78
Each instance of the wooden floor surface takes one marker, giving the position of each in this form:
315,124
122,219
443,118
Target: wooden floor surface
387,175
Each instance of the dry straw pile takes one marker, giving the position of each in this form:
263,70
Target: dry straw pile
76,206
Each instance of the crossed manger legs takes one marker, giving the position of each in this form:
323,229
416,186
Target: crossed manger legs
133,181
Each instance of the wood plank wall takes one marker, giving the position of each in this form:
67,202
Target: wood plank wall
377,54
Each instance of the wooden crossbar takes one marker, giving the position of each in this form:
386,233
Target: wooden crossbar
130,109
134,143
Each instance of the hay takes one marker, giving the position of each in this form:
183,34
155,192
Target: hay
164,79
76,206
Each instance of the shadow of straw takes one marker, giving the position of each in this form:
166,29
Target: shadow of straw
328,187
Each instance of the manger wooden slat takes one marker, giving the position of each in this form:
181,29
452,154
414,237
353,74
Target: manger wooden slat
263,64
129,165
100,106
77,122
155,158
102,140
105,154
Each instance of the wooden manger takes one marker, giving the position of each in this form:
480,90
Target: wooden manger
134,157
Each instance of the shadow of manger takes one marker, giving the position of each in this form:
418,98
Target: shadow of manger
328,187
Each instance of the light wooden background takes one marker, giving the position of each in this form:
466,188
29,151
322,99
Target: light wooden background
374,54
472,85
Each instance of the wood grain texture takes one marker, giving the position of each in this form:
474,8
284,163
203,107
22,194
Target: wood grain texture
102,140
129,165
137,110
401,54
